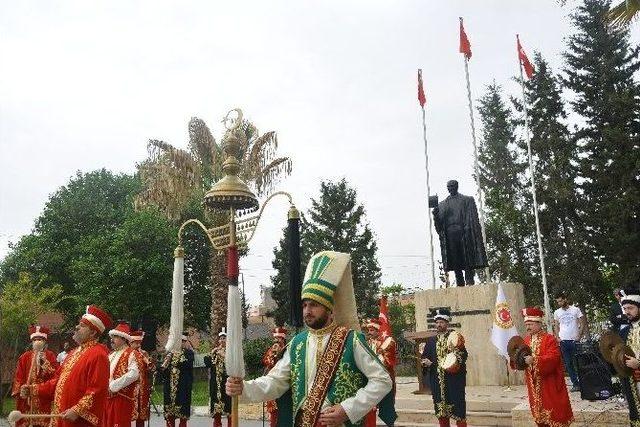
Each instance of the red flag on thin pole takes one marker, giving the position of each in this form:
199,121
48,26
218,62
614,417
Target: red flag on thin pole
421,98
465,46
524,61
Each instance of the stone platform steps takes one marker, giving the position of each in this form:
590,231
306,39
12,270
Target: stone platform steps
417,411
414,417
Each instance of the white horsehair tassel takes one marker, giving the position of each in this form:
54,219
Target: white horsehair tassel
234,356
174,343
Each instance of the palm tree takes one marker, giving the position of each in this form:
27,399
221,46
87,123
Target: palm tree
172,177
624,13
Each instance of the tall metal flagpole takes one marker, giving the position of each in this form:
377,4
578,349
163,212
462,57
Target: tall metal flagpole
545,292
426,159
476,167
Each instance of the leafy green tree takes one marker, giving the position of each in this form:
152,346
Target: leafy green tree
600,69
21,302
91,242
509,223
401,317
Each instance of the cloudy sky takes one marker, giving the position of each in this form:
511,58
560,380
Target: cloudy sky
84,85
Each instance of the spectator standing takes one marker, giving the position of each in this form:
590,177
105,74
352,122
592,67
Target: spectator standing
617,318
63,354
568,328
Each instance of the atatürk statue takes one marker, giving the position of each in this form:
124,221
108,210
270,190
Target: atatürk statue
457,224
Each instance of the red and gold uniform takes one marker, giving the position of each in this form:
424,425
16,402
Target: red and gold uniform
82,381
124,373
384,347
142,392
548,396
34,367
269,360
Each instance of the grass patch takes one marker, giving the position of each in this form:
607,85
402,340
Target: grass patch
199,394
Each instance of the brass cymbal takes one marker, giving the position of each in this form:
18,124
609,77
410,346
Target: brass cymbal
520,355
618,359
608,341
514,343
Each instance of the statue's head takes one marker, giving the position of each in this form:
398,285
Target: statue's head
452,187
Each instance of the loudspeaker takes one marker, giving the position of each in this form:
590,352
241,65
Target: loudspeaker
593,374
149,342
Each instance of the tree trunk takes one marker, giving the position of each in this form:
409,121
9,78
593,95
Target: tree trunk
219,291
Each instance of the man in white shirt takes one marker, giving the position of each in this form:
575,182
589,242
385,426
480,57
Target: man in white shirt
123,374
568,328
63,354
350,379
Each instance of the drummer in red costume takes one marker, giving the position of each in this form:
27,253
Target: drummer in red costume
34,367
269,360
124,373
142,393
548,396
79,389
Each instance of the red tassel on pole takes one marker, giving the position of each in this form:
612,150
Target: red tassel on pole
233,270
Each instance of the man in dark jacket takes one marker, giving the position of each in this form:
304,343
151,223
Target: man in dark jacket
617,318
220,403
447,382
178,383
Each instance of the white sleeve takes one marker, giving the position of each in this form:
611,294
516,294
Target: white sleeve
270,386
378,386
133,373
578,313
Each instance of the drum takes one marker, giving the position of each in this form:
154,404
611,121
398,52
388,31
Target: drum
455,340
450,363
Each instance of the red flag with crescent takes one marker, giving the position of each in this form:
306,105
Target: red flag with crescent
421,98
524,60
465,45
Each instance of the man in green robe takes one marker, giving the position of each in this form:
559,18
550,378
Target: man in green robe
328,375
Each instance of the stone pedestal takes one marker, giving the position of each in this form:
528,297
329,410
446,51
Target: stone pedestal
473,310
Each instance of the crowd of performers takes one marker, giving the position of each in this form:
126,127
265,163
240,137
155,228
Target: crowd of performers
329,374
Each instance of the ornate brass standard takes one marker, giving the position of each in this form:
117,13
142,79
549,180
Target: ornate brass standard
232,195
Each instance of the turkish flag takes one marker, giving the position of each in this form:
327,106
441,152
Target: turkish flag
465,46
385,326
524,61
421,98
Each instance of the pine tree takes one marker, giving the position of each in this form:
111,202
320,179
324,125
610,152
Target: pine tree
600,67
509,224
336,221
568,258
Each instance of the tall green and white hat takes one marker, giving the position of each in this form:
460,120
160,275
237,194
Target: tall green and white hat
328,281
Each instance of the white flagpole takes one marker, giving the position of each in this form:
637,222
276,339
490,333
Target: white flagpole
545,292
476,166
426,159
